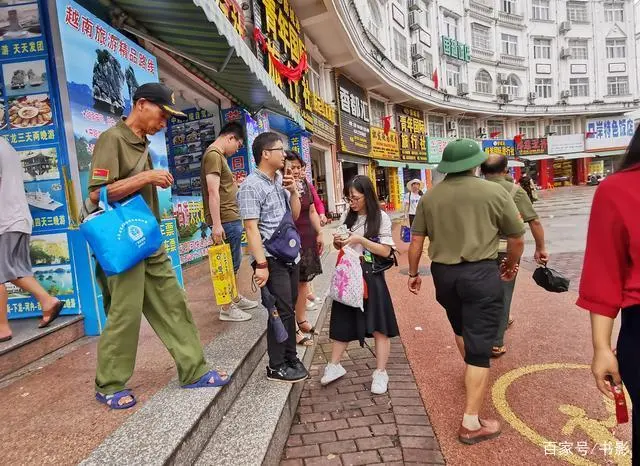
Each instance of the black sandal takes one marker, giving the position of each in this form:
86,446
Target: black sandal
312,330
305,341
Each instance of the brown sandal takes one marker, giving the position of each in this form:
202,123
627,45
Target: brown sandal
304,341
312,330
498,351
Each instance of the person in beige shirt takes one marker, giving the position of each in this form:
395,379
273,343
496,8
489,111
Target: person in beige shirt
219,190
464,217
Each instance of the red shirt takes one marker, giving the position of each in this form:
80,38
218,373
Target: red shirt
611,271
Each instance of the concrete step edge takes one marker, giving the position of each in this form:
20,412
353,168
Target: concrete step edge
255,429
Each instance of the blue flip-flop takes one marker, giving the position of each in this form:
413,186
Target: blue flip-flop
203,381
112,401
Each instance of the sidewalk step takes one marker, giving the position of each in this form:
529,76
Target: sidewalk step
175,424
254,431
29,343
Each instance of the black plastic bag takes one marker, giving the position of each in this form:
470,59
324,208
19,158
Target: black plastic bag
551,280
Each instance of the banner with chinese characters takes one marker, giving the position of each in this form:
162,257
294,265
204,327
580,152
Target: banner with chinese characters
31,123
277,22
412,134
353,117
609,133
499,146
187,142
535,146
103,70
384,146
435,148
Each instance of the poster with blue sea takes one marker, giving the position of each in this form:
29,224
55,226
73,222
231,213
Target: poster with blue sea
103,70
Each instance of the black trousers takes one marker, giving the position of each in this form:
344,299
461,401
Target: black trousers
411,219
472,295
628,351
283,285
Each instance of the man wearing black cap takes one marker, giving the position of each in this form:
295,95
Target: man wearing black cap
121,161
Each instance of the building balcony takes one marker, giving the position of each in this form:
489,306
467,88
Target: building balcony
511,19
512,60
481,52
479,8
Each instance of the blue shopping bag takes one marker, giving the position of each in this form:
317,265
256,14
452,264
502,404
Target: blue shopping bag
405,234
122,235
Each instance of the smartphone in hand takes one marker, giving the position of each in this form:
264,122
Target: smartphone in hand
622,412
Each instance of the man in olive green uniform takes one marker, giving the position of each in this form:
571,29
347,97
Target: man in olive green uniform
496,169
121,162
463,217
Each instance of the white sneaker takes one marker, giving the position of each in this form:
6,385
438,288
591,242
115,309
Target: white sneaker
233,314
380,382
246,304
332,372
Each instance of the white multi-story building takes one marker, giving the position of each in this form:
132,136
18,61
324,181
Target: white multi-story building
529,64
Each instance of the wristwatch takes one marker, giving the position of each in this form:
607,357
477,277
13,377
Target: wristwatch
417,274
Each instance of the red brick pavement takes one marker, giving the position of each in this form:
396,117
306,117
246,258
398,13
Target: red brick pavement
345,424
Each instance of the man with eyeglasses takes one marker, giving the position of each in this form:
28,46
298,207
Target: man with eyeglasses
219,190
121,162
266,198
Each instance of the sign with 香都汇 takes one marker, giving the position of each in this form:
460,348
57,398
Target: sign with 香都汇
353,117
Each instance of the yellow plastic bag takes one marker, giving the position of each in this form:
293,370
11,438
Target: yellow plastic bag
222,274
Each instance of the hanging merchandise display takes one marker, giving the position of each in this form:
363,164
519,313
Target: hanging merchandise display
30,120
187,142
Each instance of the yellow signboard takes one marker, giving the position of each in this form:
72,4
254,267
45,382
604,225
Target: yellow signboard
384,146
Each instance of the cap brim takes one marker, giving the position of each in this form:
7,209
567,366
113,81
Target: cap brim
463,165
176,113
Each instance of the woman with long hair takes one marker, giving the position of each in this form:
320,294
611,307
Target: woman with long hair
610,283
370,236
308,225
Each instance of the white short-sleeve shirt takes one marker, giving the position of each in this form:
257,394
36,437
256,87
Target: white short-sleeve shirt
384,234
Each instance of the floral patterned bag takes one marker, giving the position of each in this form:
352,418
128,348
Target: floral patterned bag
347,283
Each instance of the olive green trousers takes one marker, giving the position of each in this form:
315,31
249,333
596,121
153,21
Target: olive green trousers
150,288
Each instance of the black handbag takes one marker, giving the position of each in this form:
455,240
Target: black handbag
551,280
380,263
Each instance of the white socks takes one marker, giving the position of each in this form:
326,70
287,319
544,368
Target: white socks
471,422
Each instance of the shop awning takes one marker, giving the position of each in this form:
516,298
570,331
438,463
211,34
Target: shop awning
576,155
422,166
389,163
515,163
200,30
610,153
354,159
537,157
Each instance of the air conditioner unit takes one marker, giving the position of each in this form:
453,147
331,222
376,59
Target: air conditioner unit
419,69
565,53
452,126
532,96
565,26
463,89
565,94
414,5
550,130
418,51
416,20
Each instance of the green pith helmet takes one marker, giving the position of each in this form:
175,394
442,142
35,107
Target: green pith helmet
461,155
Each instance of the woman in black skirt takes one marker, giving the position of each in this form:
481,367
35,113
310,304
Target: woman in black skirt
369,234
